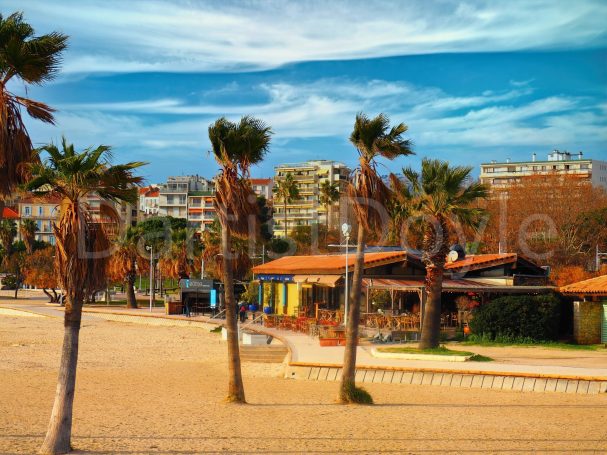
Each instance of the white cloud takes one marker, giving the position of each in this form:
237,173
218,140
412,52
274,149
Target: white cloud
327,107
117,36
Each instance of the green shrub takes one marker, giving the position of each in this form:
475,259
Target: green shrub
517,319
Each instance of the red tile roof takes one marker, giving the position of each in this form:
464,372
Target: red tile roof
9,214
149,191
594,286
261,181
33,199
325,263
481,261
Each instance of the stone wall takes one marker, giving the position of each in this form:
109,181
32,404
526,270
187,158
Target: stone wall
587,322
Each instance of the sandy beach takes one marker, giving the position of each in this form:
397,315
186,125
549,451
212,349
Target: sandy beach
143,389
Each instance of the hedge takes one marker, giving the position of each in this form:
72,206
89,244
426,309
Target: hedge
518,317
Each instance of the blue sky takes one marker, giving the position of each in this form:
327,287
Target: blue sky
473,80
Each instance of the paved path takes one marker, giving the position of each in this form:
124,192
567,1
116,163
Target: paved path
305,350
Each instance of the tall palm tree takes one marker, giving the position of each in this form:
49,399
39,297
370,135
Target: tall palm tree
329,193
32,60
82,250
236,147
286,191
28,229
8,231
439,198
125,261
372,138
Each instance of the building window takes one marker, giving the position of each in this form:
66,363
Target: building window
27,211
51,239
40,211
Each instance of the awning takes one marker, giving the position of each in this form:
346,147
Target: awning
449,285
326,280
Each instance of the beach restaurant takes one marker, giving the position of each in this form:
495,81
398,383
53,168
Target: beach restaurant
393,284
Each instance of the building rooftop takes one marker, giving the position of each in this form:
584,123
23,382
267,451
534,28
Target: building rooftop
594,286
261,181
325,263
9,214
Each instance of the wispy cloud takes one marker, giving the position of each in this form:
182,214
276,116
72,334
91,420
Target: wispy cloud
117,36
326,108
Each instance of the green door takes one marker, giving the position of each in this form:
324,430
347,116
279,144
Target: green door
604,324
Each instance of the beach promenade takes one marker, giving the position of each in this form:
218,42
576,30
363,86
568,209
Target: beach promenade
514,368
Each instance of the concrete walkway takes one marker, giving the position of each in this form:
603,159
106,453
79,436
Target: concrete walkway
307,359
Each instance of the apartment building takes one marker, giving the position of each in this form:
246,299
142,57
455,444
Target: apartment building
201,209
190,197
44,211
309,176
503,174
148,201
263,187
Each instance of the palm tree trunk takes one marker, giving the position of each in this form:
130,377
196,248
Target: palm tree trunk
59,433
286,230
2,205
131,300
431,324
235,385
349,370
328,213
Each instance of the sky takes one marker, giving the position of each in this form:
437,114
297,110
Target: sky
473,80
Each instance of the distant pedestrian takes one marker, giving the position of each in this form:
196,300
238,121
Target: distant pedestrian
243,312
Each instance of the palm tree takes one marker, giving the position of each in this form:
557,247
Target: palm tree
8,231
438,198
28,229
124,262
287,191
82,250
177,261
213,259
372,138
236,146
32,60
329,193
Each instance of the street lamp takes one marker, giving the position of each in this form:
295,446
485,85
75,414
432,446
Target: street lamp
345,230
150,248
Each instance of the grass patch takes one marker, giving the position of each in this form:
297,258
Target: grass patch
216,329
442,350
480,358
546,344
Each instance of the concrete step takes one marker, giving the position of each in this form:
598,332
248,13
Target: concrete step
263,354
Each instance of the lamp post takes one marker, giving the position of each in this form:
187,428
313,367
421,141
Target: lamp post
346,229
150,248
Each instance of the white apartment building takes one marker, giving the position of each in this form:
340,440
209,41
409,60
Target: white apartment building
149,197
263,187
309,176
189,197
502,174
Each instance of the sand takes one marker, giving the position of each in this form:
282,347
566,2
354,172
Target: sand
144,389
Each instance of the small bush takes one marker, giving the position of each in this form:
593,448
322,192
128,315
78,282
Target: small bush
355,395
517,319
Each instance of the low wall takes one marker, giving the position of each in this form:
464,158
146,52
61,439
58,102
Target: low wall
480,381
587,322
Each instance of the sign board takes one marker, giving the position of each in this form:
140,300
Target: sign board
198,285
213,299
281,278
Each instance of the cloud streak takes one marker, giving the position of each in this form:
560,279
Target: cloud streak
173,36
